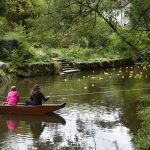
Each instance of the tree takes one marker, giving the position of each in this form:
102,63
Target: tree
73,11
139,15
19,11
140,24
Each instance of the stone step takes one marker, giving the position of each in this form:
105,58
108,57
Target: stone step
64,63
66,66
59,60
71,71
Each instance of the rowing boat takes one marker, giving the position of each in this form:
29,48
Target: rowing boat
29,109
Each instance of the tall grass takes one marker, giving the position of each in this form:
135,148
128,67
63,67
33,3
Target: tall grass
78,54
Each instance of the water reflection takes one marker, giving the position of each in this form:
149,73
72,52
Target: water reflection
16,126
36,122
12,125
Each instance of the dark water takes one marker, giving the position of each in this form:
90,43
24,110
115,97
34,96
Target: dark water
101,111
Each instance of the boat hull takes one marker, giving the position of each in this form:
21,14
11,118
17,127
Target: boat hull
30,110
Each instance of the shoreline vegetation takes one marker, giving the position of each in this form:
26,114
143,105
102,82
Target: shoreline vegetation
142,138
54,68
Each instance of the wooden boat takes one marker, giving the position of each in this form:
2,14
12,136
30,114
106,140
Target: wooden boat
28,109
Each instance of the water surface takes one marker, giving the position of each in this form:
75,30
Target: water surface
101,111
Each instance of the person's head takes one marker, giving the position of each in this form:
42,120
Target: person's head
13,88
35,89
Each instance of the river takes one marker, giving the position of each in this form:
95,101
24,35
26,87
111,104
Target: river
101,111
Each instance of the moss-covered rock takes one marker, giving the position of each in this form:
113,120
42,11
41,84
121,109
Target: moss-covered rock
38,69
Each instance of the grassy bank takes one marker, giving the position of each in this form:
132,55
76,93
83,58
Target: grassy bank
78,54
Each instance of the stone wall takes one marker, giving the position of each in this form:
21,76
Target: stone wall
104,64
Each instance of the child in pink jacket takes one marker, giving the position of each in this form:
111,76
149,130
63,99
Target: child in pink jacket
13,96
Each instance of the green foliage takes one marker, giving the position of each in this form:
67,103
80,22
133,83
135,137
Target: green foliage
19,11
144,46
21,54
80,29
3,77
38,2
3,26
142,139
3,8
18,57
139,14
118,47
4,53
78,54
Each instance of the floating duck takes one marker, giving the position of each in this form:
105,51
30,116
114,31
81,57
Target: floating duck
85,87
92,85
131,71
105,73
100,78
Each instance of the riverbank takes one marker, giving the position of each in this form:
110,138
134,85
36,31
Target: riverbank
55,67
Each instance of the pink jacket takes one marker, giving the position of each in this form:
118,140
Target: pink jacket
13,98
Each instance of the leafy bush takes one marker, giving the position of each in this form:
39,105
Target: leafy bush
20,54
4,53
18,57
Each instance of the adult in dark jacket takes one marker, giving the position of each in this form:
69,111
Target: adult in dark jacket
36,96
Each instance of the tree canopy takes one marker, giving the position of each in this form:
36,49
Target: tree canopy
83,23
